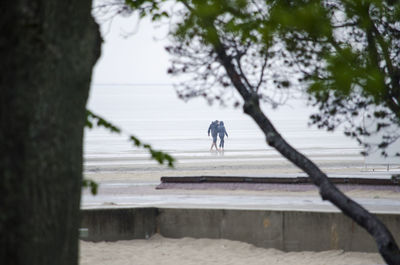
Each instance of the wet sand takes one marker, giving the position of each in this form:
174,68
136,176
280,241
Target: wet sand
151,171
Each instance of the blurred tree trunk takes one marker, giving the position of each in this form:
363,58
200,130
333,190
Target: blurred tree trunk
47,51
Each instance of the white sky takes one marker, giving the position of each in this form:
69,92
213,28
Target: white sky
139,58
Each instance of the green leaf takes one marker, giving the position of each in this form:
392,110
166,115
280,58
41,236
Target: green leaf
159,156
88,183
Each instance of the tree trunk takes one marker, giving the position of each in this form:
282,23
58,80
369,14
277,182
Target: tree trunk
47,52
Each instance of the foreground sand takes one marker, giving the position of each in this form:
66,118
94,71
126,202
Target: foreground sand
166,251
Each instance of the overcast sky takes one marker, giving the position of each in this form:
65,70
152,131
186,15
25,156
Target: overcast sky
139,58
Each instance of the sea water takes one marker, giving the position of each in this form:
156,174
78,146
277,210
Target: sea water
158,117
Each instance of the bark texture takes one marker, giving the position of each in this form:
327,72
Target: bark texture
387,246
47,51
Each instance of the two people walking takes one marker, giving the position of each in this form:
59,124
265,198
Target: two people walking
217,128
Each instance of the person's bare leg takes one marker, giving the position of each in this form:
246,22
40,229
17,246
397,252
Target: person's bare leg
212,145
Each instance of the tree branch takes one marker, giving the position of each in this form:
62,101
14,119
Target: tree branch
262,73
383,238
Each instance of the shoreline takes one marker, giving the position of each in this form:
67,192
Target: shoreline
154,171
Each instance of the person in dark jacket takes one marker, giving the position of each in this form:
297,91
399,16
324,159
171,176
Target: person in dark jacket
222,132
213,128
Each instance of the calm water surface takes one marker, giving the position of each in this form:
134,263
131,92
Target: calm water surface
158,117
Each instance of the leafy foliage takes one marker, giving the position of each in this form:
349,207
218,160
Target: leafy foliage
88,183
159,156
353,70
108,9
93,120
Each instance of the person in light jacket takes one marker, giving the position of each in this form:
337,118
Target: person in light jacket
222,132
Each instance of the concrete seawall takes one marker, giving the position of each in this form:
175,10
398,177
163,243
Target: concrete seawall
284,230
